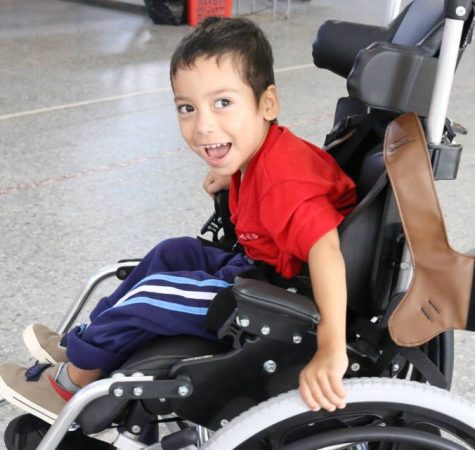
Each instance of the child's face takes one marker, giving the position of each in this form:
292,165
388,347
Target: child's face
218,115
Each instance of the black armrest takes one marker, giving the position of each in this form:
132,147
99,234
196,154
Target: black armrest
268,310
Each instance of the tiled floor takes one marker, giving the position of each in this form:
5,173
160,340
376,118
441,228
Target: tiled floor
93,168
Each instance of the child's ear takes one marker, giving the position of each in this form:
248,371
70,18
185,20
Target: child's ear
270,103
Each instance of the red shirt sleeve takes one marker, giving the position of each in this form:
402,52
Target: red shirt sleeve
297,215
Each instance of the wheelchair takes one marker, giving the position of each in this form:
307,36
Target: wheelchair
182,392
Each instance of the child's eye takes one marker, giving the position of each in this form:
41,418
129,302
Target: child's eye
184,109
222,103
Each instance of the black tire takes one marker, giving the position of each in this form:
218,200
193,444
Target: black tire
364,435
398,404
25,432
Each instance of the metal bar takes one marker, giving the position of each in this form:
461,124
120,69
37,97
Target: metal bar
86,292
393,8
74,407
444,79
84,295
203,435
406,271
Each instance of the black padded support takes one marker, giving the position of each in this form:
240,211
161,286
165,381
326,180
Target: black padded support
393,77
344,39
274,299
338,42
282,313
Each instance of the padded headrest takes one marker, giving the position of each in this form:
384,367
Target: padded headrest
338,42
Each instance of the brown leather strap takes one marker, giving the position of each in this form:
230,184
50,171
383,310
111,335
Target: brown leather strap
439,295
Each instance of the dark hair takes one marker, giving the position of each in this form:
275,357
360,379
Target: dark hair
238,37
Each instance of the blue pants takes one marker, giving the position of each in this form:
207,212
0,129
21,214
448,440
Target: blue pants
168,293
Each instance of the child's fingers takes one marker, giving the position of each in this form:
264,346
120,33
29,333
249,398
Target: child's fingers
214,183
337,386
328,391
318,394
208,180
212,187
307,396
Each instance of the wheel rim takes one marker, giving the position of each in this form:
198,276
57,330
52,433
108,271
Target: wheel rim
421,439
285,419
361,417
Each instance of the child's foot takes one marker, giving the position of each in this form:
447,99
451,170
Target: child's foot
34,390
44,344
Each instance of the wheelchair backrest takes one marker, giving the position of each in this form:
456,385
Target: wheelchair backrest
373,225
419,20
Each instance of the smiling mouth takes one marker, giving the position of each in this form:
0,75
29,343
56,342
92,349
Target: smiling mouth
216,152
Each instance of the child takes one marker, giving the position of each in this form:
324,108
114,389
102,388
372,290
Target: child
286,198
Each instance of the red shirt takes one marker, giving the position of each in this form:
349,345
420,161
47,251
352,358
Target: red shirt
291,194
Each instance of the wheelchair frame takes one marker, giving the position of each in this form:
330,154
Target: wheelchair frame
375,393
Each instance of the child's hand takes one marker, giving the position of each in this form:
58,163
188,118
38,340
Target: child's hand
214,183
321,380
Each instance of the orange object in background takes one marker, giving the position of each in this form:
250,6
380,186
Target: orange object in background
198,10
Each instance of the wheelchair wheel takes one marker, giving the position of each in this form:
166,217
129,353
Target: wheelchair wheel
381,414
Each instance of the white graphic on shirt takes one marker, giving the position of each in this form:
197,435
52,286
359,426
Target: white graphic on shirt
248,236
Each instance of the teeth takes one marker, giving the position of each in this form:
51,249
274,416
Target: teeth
214,145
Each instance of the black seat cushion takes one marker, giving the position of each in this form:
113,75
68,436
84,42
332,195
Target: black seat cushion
159,355
156,358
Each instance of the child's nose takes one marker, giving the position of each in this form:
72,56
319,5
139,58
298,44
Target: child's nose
205,123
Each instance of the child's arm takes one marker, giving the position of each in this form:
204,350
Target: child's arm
214,183
321,379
